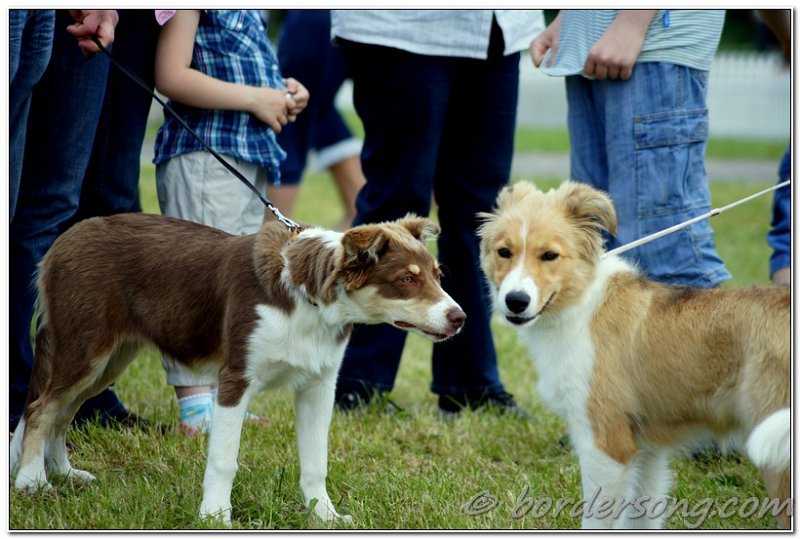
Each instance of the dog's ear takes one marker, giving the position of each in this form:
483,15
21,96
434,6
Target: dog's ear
589,206
363,246
421,228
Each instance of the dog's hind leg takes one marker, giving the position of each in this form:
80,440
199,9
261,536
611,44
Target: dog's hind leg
44,443
56,456
314,407
779,488
38,429
48,416
769,446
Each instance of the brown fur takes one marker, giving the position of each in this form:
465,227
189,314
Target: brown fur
187,288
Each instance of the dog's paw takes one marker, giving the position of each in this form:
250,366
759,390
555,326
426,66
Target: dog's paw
32,483
80,475
216,515
330,517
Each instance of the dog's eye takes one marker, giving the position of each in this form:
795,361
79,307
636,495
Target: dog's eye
407,279
549,256
504,252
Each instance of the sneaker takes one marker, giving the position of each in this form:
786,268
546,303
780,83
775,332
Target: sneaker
500,403
347,401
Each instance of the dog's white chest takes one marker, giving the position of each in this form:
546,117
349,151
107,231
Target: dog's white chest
290,349
563,358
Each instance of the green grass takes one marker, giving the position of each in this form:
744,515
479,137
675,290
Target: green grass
408,472
557,141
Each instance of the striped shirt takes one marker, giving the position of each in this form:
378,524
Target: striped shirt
462,33
230,45
679,36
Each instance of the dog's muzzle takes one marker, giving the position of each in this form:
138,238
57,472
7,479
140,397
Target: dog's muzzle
518,302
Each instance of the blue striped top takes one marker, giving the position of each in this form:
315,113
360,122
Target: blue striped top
230,45
680,36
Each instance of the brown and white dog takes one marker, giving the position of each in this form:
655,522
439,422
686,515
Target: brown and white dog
634,367
265,310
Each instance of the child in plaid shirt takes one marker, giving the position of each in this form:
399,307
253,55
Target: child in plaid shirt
222,76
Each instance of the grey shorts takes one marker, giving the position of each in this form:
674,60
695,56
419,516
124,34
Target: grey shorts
196,187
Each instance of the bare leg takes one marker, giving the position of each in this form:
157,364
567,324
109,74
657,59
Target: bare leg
284,197
349,179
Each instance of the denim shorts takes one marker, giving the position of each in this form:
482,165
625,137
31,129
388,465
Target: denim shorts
643,141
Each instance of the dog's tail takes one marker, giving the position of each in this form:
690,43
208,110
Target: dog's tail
769,445
43,347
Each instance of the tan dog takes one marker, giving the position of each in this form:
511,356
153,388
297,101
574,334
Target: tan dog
265,310
635,367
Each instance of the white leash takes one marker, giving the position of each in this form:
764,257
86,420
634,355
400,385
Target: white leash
693,220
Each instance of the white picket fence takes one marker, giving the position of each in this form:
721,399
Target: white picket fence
749,96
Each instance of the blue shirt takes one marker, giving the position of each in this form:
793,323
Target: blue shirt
230,45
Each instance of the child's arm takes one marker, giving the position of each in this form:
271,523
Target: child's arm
177,80
616,52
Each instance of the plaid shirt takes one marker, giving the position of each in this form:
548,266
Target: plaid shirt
230,45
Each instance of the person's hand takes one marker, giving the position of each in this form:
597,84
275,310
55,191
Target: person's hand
547,40
90,22
271,106
297,97
616,52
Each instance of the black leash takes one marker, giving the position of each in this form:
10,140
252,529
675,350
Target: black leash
292,225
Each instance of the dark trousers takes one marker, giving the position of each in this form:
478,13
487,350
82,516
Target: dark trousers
66,108
441,126
305,53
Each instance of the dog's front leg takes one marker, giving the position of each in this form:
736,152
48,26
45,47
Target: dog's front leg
223,452
314,406
652,478
605,485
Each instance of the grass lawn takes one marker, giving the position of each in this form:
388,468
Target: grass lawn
557,141
408,472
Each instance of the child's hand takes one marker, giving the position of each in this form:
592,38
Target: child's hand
297,99
615,53
546,41
270,106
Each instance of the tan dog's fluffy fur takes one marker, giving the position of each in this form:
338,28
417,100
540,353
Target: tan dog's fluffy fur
636,367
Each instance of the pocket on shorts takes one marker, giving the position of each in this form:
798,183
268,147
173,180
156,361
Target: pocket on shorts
670,169
671,186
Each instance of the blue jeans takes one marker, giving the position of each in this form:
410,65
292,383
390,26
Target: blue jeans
305,52
643,141
30,42
444,126
63,116
780,235
111,182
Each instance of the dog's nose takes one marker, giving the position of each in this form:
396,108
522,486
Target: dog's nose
456,318
517,301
